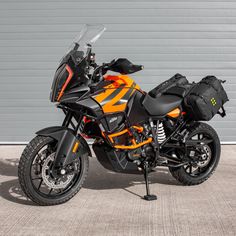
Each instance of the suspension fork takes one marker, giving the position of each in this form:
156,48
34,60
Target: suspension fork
68,120
66,140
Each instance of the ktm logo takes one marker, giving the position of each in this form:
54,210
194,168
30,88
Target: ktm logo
113,119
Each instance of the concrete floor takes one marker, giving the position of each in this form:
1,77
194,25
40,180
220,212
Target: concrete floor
111,204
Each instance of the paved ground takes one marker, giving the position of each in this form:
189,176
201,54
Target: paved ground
111,204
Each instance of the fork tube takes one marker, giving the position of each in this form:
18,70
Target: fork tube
78,123
67,119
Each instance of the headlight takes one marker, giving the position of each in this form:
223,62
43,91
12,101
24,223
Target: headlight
61,79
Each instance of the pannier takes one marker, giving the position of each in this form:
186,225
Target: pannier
205,99
176,80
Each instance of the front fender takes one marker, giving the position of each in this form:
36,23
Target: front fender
69,147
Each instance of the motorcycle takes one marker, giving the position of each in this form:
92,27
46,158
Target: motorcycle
133,131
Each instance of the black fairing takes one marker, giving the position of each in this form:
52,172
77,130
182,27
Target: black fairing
99,87
92,130
91,106
60,77
113,122
135,110
74,94
78,65
88,106
114,160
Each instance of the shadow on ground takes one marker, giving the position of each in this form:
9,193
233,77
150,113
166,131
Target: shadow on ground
98,179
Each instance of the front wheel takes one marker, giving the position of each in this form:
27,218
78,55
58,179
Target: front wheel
205,158
35,176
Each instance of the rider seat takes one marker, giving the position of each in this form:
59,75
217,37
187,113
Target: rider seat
160,106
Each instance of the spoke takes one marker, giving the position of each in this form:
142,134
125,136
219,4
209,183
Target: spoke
36,164
206,141
37,155
199,170
57,191
187,167
37,178
60,191
190,169
40,184
50,191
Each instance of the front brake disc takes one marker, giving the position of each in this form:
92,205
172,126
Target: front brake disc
49,180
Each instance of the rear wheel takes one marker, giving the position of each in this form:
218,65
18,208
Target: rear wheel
205,157
36,179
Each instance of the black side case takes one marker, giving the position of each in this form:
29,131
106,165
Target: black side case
205,99
176,80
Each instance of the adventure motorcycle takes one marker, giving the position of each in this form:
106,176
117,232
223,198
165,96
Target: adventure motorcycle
134,131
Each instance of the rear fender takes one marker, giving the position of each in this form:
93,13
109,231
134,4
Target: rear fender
70,146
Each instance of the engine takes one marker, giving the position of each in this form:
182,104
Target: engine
124,160
147,150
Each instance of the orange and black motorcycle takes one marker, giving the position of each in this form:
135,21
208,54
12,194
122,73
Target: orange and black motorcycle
132,131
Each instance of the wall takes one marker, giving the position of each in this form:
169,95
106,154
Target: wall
194,38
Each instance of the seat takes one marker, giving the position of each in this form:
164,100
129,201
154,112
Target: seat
160,106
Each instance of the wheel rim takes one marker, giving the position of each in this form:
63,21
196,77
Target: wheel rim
204,161
42,182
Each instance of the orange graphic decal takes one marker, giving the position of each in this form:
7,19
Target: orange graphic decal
116,94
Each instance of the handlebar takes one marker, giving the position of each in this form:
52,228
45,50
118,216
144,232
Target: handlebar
137,67
120,65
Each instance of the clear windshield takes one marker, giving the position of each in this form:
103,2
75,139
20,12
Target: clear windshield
87,36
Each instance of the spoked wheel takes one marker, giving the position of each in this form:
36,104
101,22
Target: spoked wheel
205,156
36,178
201,155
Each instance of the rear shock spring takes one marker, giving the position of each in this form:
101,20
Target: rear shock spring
161,135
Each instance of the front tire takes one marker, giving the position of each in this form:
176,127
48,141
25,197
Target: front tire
34,161
183,175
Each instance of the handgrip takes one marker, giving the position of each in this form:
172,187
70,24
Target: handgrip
135,68
138,67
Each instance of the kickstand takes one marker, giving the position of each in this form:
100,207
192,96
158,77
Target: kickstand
148,197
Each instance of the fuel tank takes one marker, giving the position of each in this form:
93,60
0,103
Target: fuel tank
116,93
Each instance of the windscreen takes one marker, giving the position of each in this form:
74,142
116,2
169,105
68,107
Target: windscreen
87,36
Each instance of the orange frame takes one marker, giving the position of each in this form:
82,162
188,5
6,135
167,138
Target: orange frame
130,147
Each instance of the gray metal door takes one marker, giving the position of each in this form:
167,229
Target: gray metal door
194,38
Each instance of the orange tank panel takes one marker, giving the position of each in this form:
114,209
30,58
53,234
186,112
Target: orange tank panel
116,94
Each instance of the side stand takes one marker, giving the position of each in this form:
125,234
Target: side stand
148,196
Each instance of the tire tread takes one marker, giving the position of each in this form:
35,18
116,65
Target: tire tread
25,160
177,173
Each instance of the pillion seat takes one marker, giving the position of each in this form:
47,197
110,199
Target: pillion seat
160,106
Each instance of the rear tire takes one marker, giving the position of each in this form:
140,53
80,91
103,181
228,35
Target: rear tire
26,182
180,173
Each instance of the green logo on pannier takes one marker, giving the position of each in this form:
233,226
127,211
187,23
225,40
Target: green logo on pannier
213,101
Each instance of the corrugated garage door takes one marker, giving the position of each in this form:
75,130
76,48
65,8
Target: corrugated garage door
194,38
